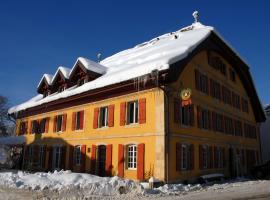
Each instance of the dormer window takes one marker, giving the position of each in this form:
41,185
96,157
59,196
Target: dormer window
81,81
46,93
61,88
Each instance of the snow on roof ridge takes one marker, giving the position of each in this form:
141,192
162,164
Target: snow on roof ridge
65,71
48,78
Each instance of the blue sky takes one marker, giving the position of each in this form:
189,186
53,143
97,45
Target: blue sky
38,36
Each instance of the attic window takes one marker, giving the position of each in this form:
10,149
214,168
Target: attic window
217,63
46,93
81,81
61,88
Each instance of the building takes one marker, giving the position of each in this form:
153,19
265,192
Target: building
176,107
265,136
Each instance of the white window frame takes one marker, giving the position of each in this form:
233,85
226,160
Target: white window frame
57,150
61,124
135,112
78,155
106,117
132,152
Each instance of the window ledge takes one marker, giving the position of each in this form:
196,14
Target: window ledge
133,125
131,169
103,128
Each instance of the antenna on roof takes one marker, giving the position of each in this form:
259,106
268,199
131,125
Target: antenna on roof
99,57
195,14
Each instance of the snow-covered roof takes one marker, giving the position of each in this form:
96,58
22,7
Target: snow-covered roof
156,54
47,77
65,71
90,65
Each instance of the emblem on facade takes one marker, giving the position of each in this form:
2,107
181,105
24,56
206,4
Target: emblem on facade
186,96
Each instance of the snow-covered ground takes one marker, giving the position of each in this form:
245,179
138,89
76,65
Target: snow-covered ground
68,185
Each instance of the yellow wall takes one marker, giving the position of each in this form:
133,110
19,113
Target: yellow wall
196,136
150,133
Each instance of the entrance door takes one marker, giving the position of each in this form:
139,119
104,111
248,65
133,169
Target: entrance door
101,160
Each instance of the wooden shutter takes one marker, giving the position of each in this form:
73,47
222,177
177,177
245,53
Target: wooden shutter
44,157
81,119
191,158
108,160
177,110
178,156
214,120
71,154
142,111
83,152
47,125
120,160
54,123
215,157
73,121
93,159
200,157
197,79
63,157
224,157
64,122
191,122
209,120
207,85
199,116
111,116
95,120
122,113
50,160
210,150
140,162
211,92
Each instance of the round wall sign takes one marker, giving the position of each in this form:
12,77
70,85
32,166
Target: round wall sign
186,94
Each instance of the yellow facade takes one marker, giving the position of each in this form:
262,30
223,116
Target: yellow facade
152,133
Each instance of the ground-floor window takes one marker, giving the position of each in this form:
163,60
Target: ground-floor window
220,157
205,157
132,156
31,153
78,155
57,157
41,156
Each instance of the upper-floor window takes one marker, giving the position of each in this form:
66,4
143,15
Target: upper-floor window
103,117
187,115
203,118
42,125
201,82
232,75
132,112
219,122
79,120
217,63
35,127
42,154
228,126
23,128
250,131
60,123
78,155
132,156
238,129
226,95
244,105
215,89
235,100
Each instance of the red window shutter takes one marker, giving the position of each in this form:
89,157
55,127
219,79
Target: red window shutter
63,157
47,125
197,81
120,160
54,123
95,120
191,123
215,157
93,159
199,116
200,157
30,127
178,156
81,119
71,153
83,152
123,114
142,111
73,121
64,122
111,116
191,161
140,162
176,110
109,160
210,157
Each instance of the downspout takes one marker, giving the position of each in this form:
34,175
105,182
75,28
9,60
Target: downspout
167,130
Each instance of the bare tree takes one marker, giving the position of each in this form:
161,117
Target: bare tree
7,124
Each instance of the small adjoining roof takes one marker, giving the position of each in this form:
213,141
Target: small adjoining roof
47,77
